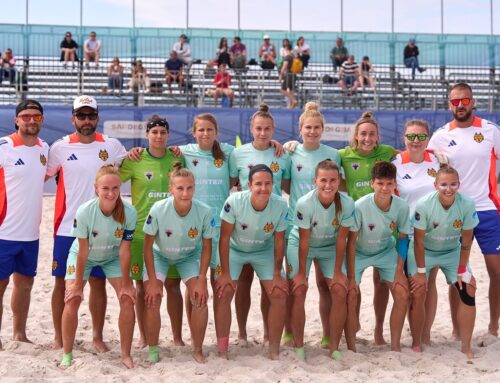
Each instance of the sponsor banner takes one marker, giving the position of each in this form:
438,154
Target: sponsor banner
125,129
337,132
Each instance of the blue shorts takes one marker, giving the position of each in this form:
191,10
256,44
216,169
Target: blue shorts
18,257
487,232
110,267
349,81
62,244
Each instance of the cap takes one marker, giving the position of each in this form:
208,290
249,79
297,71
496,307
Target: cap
266,37
183,36
28,104
412,41
84,101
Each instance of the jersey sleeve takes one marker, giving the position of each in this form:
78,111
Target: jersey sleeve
81,224
54,163
119,151
496,141
404,218
286,171
302,216
3,146
283,222
233,165
348,213
209,225
151,224
471,219
419,219
130,224
358,219
126,170
228,212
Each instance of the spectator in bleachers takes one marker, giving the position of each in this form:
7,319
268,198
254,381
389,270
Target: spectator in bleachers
92,50
222,54
303,51
238,53
183,50
367,71
115,75
68,50
411,58
349,74
267,53
286,77
140,79
7,66
283,51
173,71
339,54
222,81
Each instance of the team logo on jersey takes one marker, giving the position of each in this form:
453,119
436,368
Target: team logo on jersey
457,224
218,163
435,224
289,268
74,222
103,155
355,165
478,137
95,233
54,265
371,226
275,167
118,233
299,167
71,270
244,226
149,219
417,216
43,159
168,233
392,226
268,227
218,270
335,222
227,207
148,176
314,224
135,269
193,232
432,172
300,215
195,162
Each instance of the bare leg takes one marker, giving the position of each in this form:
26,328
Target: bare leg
215,301
69,322
3,286
198,325
325,301
222,316
97,305
175,308
493,267
264,309
417,317
431,300
338,315
277,311
399,308
352,322
454,303
153,320
242,300
298,315
57,310
466,318
20,304
139,313
380,300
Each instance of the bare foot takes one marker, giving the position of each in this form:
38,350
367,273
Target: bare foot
242,342
493,330
469,354
273,355
128,362
223,355
179,343
455,336
198,356
100,346
142,343
396,348
426,339
56,344
416,348
21,338
379,338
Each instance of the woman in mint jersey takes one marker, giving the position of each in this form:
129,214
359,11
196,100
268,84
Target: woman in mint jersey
358,160
304,159
150,181
262,150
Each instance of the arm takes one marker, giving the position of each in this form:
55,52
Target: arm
260,51
467,237
285,186
127,286
76,290
224,278
110,70
419,279
300,279
154,287
279,253
351,255
200,292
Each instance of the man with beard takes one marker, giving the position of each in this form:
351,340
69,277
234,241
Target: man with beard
23,161
472,145
75,159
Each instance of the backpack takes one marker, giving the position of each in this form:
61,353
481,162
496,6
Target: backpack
297,65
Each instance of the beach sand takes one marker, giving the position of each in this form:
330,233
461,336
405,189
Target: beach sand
442,362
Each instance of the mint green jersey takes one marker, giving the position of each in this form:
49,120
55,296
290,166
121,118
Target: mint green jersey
150,180
245,157
179,237
443,227
322,222
254,230
104,233
375,227
358,168
211,175
303,166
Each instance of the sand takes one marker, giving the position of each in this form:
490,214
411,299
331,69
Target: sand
442,362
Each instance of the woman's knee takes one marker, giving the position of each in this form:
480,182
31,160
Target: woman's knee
338,294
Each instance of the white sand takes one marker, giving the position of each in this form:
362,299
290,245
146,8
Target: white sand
442,362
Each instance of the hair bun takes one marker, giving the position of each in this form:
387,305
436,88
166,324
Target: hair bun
367,114
263,108
177,165
311,105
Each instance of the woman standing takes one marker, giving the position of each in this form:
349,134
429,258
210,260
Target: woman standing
287,78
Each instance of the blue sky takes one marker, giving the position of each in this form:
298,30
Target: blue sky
461,16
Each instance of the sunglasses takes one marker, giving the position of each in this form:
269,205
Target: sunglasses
83,116
28,117
412,136
456,101
444,186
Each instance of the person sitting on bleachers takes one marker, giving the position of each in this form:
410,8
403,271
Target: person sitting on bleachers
68,50
173,71
349,74
267,54
411,58
140,79
303,51
238,53
115,75
92,50
339,54
7,66
222,81
367,71
183,50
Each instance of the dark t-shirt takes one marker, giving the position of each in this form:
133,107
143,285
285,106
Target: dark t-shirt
173,66
411,51
70,45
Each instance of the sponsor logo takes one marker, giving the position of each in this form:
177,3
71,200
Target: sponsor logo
452,143
407,177
19,162
73,157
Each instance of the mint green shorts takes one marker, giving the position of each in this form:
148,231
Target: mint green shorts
447,261
137,261
111,267
187,268
385,262
261,261
325,256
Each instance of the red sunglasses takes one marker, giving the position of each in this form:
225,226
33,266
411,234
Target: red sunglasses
465,101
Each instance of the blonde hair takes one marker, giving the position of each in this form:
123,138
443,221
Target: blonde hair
311,110
119,210
417,122
179,171
263,112
446,169
366,118
217,152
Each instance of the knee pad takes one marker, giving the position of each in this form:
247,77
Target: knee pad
464,295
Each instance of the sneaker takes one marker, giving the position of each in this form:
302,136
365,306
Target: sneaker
421,70
64,65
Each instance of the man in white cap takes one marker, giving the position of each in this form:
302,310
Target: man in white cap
267,52
75,160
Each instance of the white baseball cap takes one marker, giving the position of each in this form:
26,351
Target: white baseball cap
84,101
266,37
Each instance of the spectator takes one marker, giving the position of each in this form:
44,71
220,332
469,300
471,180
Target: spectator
339,54
411,58
7,66
238,53
303,51
283,51
349,74
115,75
222,53
222,81
139,79
267,54
183,50
68,50
173,71
286,77
92,50
367,73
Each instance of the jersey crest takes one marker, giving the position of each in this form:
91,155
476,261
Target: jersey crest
54,265
118,233
392,226
435,224
355,165
289,268
195,162
314,223
227,207
335,222
43,159
193,232
218,163
244,226
134,269
103,155
299,167
457,224
432,172
218,270
148,176
478,137
95,233
71,270
268,227
168,232
275,167
371,226
149,219
300,215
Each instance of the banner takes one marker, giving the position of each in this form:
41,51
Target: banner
337,132
124,129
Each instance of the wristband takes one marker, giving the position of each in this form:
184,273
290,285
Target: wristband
462,269
421,270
